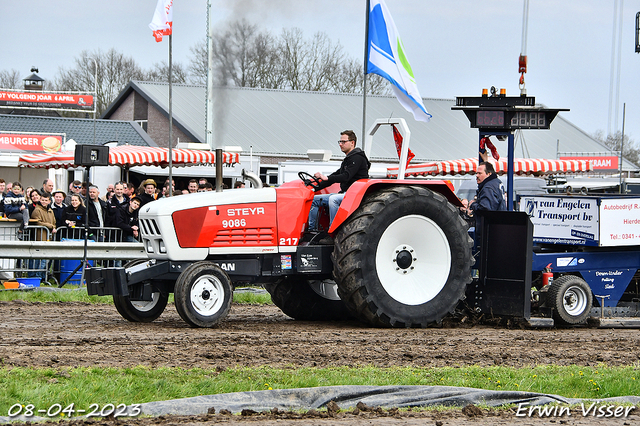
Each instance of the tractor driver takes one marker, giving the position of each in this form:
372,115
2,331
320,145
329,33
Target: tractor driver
354,166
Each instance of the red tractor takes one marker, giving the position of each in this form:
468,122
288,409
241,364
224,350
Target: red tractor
401,255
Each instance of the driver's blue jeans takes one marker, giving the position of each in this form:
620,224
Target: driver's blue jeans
331,200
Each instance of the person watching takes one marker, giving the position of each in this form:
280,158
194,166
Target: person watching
193,186
74,188
2,194
47,186
127,220
149,194
34,200
15,206
58,207
74,213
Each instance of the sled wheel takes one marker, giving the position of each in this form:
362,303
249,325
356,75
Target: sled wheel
140,310
571,300
203,294
308,300
403,259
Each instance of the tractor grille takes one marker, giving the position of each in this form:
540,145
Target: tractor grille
246,236
149,227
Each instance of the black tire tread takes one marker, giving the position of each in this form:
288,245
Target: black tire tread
127,311
354,235
130,313
296,298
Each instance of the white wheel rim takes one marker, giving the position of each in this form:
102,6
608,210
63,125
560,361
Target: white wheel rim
430,260
325,288
574,300
146,306
207,295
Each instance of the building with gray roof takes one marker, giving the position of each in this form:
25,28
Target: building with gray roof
278,125
80,130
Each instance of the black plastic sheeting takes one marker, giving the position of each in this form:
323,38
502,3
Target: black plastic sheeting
348,396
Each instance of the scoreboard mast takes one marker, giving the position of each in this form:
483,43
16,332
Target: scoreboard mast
505,114
499,115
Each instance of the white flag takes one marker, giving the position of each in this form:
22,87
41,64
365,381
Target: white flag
388,59
162,19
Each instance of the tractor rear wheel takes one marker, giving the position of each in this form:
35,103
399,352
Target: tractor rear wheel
308,300
203,294
140,310
403,259
571,299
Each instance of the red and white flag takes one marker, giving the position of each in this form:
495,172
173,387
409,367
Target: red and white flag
162,19
397,137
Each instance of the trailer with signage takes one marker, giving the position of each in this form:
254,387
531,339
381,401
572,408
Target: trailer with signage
591,245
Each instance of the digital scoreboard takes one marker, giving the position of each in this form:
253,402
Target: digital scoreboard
501,113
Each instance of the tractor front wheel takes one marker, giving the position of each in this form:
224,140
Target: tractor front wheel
203,294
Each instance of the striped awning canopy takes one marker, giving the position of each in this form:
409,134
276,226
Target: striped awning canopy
128,155
521,166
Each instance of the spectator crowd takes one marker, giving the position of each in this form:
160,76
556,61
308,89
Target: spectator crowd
63,213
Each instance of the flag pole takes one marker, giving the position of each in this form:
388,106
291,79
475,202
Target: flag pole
170,191
364,88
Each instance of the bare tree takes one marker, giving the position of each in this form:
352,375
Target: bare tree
114,72
630,150
198,63
247,57
160,72
242,55
350,79
10,79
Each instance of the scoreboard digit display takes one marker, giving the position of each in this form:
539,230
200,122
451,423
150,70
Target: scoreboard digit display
490,118
529,120
501,113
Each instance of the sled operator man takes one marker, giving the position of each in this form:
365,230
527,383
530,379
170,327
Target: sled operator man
490,190
354,166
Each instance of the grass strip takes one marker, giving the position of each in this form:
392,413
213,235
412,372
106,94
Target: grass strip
44,387
74,294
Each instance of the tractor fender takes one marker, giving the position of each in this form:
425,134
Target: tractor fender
356,192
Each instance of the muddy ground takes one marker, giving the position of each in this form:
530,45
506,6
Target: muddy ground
79,334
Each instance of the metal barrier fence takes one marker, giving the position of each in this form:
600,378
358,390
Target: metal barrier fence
36,253
25,268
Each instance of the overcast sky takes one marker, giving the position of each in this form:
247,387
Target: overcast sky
455,47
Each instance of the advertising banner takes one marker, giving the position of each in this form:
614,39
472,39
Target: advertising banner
34,144
563,220
600,162
46,100
620,221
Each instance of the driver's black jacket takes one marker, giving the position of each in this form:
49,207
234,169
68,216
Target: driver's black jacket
354,166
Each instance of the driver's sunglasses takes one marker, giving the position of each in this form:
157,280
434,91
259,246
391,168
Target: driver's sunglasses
343,142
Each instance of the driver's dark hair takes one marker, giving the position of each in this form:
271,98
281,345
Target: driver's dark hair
351,135
488,167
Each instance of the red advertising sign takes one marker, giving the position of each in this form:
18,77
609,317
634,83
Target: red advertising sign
46,100
38,143
602,162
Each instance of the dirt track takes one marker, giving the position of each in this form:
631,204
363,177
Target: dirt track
78,334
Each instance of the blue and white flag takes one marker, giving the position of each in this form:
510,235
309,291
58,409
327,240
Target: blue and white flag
387,59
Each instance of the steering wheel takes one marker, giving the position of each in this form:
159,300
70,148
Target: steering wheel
310,180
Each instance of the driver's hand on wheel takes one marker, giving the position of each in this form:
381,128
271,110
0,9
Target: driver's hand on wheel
319,175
